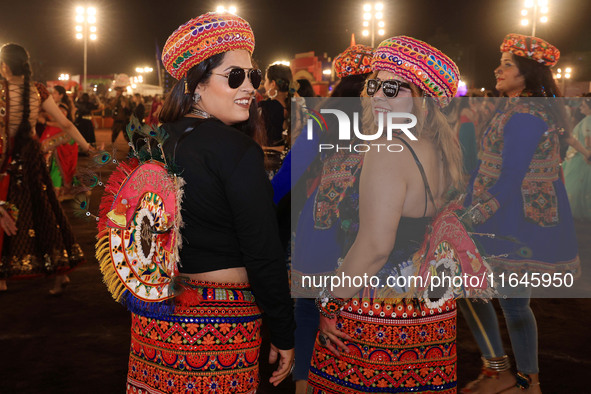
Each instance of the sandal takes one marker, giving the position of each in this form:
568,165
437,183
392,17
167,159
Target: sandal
491,369
523,382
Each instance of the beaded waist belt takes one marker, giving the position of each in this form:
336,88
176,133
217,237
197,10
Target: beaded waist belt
195,290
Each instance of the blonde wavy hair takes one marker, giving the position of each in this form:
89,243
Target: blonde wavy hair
431,124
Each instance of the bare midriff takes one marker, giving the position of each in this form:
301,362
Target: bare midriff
228,275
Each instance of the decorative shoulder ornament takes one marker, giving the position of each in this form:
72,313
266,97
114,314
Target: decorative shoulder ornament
449,251
139,221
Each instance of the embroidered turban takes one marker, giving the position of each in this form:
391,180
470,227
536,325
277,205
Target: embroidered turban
354,60
203,37
530,47
420,63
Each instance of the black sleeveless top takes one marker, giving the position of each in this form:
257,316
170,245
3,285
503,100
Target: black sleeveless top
411,231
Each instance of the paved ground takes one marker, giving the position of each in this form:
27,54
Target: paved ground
78,343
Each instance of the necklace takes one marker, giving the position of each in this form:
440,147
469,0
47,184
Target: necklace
200,113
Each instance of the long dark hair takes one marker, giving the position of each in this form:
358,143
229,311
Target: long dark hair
64,100
350,86
281,74
17,59
539,82
305,89
178,103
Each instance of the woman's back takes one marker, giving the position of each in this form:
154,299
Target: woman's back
403,173
15,106
417,197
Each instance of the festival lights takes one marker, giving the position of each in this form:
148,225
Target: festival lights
567,73
370,20
231,9
539,13
563,77
142,70
282,62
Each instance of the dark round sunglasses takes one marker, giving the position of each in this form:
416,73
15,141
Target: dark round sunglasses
236,77
390,87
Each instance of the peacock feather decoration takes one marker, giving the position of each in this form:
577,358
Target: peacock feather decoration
139,220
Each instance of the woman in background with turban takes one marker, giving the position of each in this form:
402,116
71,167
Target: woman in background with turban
517,195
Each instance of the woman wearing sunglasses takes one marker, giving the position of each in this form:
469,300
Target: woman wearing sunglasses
366,342
517,194
231,264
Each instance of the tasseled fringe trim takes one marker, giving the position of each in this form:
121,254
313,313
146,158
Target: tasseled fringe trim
110,277
179,184
118,290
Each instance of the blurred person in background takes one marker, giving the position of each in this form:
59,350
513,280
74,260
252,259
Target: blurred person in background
85,107
36,239
577,171
516,194
276,109
121,110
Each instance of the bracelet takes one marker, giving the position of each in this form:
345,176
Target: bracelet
477,216
328,305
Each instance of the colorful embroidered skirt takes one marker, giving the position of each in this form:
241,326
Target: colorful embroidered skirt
210,344
397,347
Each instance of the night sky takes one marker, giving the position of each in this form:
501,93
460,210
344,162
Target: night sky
470,31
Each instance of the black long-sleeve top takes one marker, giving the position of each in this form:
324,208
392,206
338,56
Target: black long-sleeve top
229,216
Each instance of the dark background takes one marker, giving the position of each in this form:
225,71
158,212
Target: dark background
470,31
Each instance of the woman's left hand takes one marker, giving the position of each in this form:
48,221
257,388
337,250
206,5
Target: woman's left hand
286,363
7,222
330,337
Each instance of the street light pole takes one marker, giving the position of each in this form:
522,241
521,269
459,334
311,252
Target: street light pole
85,28
373,31
370,19
537,6
85,83
533,25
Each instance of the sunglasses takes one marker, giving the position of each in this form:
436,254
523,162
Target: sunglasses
391,87
236,77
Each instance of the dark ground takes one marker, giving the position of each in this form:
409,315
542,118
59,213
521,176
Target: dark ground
79,342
